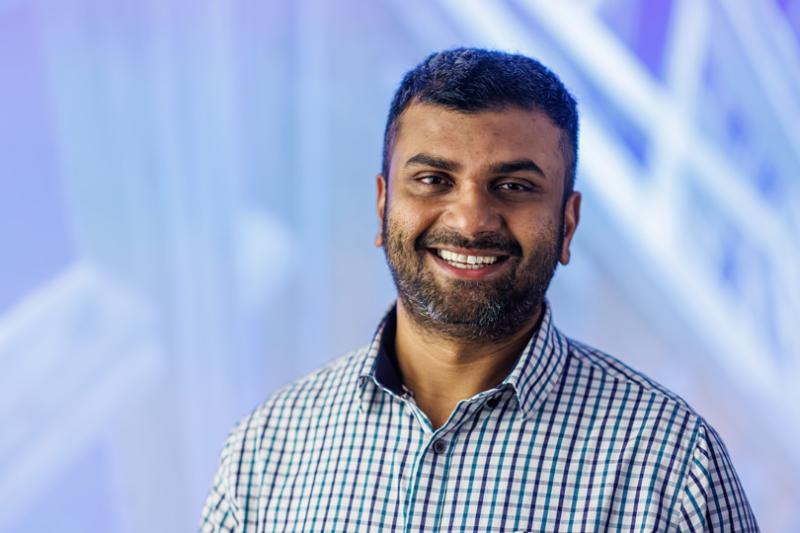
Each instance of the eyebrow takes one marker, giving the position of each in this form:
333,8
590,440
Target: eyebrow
428,160
510,167
506,167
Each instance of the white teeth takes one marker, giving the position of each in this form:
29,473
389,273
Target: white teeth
468,262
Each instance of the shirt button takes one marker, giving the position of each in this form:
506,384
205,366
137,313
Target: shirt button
492,402
439,447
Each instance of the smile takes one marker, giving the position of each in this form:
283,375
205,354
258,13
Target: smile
467,262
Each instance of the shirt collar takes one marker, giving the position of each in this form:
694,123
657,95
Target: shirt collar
539,367
534,375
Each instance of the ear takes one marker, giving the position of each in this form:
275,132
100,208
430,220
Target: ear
380,183
572,215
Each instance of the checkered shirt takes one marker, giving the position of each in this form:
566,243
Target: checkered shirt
571,440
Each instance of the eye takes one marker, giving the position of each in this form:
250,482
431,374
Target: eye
514,186
432,179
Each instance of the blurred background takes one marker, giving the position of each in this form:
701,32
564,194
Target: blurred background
187,217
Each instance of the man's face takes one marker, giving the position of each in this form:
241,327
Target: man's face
473,225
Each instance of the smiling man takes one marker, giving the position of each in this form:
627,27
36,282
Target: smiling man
469,410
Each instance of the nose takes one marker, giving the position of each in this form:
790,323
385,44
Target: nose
472,211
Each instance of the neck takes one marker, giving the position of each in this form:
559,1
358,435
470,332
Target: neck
441,370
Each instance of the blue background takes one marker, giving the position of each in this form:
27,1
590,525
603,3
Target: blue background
187,211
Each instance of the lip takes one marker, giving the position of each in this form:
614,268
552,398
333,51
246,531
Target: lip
473,274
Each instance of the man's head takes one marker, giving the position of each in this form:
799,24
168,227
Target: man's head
475,199
471,80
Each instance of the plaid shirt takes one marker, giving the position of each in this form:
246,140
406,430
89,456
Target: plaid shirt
571,440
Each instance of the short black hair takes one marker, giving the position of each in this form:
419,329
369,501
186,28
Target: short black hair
474,79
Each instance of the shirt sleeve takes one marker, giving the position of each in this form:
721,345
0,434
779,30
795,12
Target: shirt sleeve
220,510
712,498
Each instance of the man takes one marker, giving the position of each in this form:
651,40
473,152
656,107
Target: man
469,410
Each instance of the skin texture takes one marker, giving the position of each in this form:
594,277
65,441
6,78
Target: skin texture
485,183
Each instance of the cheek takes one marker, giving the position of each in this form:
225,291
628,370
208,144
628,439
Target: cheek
533,233
409,218
400,234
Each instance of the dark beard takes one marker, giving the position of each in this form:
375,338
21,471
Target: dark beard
473,310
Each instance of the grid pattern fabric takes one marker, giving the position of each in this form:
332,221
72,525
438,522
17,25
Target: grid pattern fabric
571,440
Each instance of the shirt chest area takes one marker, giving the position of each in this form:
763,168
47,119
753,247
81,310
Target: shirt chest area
385,469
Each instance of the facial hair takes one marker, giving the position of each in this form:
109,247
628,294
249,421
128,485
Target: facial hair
472,310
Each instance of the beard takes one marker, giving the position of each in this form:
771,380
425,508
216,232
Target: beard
472,310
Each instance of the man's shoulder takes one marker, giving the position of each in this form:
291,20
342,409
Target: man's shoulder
611,374
329,379
291,404
695,459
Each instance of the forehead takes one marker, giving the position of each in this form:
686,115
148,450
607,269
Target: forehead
479,138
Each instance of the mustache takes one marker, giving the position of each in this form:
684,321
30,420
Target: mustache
482,241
